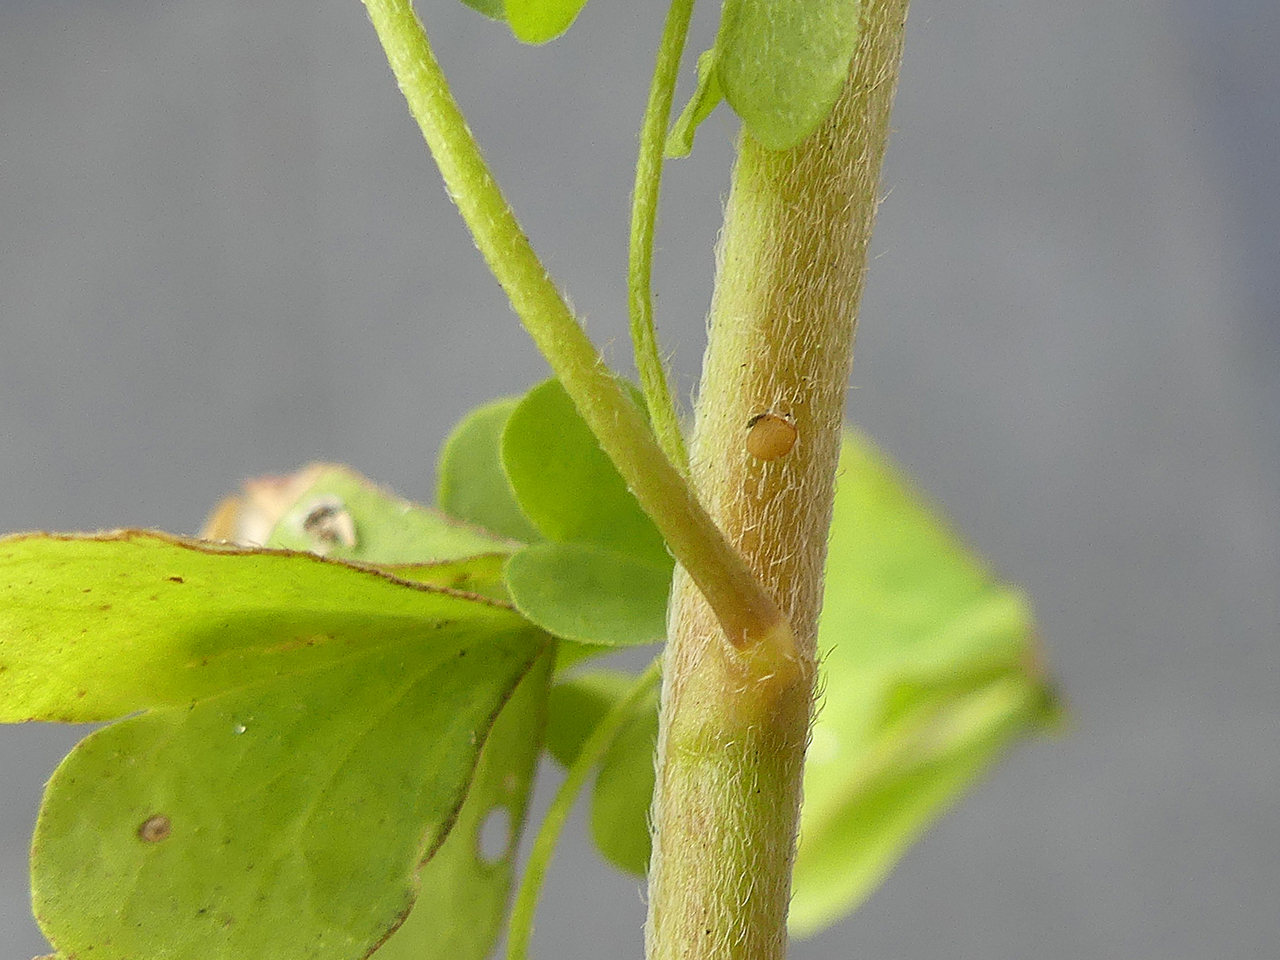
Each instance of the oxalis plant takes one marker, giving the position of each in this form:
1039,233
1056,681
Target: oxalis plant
324,716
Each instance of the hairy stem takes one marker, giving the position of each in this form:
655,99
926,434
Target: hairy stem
743,607
733,730
644,215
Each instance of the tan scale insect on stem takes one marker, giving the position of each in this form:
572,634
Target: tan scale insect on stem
770,436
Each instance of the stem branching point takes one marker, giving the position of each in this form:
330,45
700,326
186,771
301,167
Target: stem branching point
745,609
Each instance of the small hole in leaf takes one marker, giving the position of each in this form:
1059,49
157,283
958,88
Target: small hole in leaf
495,835
155,828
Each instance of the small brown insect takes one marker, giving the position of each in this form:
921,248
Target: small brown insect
329,524
770,436
155,828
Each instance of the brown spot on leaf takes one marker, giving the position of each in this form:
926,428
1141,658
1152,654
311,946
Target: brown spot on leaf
155,828
175,580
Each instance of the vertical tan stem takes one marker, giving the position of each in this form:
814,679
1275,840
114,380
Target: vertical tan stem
734,725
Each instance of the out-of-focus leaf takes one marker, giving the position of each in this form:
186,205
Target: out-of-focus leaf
537,21
930,672
627,775
343,515
624,786
472,484
576,707
333,511
493,9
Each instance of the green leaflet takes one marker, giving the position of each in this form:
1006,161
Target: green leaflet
566,485
532,21
95,627
463,894
310,732
472,484
605,573
620,799
463,898
928,675
590,594
930,671
781,65
537,21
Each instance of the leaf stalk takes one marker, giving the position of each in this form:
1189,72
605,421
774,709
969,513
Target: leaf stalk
744,608
644,215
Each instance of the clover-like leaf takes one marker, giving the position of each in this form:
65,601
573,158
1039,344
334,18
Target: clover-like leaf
310,732
604,574
472,483
591,594
781,64
564,482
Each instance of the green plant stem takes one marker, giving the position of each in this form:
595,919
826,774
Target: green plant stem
520,927
644,215
733,731
745,609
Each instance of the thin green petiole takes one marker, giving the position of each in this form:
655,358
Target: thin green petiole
644,215
745,610
520,928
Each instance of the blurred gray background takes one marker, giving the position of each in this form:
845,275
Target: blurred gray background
224,251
